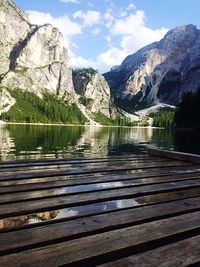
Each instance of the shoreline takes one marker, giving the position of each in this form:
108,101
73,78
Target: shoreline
74,125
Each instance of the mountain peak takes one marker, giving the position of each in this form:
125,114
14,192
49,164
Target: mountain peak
181,33
160,72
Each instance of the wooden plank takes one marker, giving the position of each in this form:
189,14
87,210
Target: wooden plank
78,170
42,165
102,246
83,178
135,189
168,196
42,204
126,179
182,253
63,231
60,215
193,158
51,161
87,166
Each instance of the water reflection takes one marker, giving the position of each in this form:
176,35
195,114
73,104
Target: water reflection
97,208
6,143
149,199
27,219
36,141
67,213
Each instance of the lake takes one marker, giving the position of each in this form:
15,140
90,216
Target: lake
41,141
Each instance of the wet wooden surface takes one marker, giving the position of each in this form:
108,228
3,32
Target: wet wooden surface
117,211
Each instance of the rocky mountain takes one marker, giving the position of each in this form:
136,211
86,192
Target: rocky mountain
33,59
93,91
160,72
34,62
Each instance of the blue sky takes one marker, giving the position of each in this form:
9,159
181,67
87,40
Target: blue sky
101,33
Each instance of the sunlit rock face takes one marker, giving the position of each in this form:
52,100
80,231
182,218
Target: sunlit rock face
32,57
6,100
96,91
14,27
162,71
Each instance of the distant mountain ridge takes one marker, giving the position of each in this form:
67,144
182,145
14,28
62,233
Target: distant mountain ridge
160,72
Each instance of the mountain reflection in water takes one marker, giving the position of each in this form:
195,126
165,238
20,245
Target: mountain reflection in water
67,213
40,141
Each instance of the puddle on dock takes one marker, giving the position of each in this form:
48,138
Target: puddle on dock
148,199
74,212
67,213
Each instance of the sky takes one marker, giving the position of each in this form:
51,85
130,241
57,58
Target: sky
101,33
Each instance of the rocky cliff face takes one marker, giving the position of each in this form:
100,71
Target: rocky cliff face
93,91
6,100
160,72
32,57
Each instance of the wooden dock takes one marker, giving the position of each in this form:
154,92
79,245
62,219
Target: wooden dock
115,211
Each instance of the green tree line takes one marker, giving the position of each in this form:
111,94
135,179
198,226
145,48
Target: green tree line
163,118
188,111
48,109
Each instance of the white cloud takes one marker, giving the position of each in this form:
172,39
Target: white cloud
70,1
108,16
109,19
131,43
96,31
133,34
111,57
108,40
78,61
131,6
129,24
89,18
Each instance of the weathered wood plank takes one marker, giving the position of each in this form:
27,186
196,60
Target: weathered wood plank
63,164
60,215
193,158
95,224
51,161
87,166
159,195
182,253
168,196
105,245
71,190
139,173
78,170
126,179
42,204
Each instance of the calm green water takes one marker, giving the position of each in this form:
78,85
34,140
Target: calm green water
34,142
